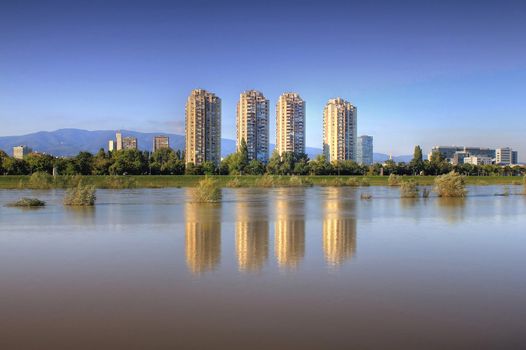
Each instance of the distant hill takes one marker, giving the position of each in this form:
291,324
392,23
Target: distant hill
69,142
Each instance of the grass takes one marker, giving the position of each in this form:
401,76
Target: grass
80,196
165,181
207,191
27,203
409,189
450,185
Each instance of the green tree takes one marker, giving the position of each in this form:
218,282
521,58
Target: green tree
129,161
102,163
417,163
274,163
255,167
84,163
13,166
39,162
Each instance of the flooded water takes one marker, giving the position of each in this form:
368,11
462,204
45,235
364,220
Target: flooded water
297,268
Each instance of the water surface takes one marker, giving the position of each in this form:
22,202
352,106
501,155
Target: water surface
296,268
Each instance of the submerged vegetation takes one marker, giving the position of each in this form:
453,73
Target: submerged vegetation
81,195
450,185
366,196
27,203
207,190
409,189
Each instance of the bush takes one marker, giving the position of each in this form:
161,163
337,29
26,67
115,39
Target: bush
450,185
409,189
352,181
40,180
393,180
234,183
364,182
27,203
266,181
298,181
82,195
207,190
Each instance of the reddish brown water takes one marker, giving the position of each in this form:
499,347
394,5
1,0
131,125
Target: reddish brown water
314,268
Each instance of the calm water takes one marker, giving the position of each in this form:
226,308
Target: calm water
313,268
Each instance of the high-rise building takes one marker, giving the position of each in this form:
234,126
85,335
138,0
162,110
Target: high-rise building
506,156
290,124
19,152
129,143
203,127
160,142
364,150
111,145
253,124
118,136
339,130
448,152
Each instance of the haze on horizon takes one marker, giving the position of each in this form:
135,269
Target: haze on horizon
420,72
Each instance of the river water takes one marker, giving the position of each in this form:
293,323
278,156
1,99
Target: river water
291,268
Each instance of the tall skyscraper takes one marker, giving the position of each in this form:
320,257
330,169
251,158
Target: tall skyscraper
253,124
290,124
118,136
364,150
203,128
339,130
160,142
111,145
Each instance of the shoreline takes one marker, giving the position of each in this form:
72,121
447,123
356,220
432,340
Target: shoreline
170,181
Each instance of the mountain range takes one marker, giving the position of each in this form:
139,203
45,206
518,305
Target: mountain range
69,142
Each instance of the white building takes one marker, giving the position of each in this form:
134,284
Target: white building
290,124
478,160
339,130
253,124
506,156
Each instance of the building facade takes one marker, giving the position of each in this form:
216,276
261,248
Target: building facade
129,143
253,124
339,130
203,128
119,144
160,142
364,150
448,153
478,160
506,156
290,124
111,146
19,152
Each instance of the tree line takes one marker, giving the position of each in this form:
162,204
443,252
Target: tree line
171,162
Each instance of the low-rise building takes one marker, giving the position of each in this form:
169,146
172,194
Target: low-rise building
478,160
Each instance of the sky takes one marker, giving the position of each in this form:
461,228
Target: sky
419,72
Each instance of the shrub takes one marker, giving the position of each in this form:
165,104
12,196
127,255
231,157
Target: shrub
524,186
40,180
234,183
366,196
298,181
450,185
364,182
393,180
266,181
207,190
409,189
352,181
27,203
82,195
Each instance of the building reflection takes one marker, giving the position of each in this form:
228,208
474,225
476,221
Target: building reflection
289,239
252,231
203,236
339,227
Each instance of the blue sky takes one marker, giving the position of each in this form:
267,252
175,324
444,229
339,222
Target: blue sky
420,72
